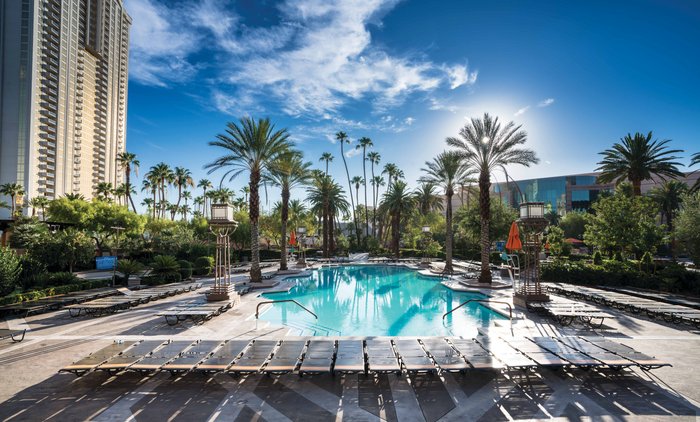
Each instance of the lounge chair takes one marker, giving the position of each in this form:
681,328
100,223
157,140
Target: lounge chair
190,357
381,357
319,357
413,357
224,356
13,334
444,355
474,354
254,357
97,358
159,357
642,360
288,356
504,352
350,357
130,356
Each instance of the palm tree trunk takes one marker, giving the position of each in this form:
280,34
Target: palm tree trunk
364,175
485,211
331,232
324,221
326,167
285,217
395,233
255,274
448,232
352,201
637,185
375,188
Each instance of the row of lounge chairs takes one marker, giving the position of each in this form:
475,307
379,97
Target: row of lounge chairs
197,311
53,303
566,312
16,335
374,355
129,299
677,314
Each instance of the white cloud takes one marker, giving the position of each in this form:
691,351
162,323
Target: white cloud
352,152
546,102
436,104
521,111
459,75
409,120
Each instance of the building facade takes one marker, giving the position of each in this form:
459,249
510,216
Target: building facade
63,94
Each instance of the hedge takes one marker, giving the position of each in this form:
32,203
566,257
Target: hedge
53,291
185,269
203,265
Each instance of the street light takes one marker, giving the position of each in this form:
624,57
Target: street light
301,231
222,224
425,230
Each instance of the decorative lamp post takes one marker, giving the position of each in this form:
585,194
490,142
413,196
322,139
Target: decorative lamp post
301,236
533,224
222,224
425,231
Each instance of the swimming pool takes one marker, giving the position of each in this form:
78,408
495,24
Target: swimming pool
376,300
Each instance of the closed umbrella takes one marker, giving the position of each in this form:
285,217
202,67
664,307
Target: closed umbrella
514,243
293,239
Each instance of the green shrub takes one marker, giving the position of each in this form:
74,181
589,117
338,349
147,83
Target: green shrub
62,279
32,271
646,263
597,258
185,269
52,291
164,265
10,269
203,265
128,268
617,256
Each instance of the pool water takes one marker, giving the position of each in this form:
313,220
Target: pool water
376,301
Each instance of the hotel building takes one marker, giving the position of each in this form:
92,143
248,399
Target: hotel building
63,94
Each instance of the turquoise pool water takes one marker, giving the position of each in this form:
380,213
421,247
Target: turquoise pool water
376,301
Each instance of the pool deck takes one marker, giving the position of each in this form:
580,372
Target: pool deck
33,390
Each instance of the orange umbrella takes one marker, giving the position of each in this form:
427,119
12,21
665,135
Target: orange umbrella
514,242
293,239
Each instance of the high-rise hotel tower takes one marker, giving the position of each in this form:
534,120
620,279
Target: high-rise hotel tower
63,94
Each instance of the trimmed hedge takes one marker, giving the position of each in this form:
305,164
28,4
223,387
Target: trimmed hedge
185,269
157,279
203,265
53,291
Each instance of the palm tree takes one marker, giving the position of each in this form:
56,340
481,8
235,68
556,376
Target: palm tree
74,196
446,170
122,192
342,137
327,199
204,184
250,146
636,159
148,203
669,198
398,202
287,172
374,158
486,146
13,190
149,184
104,191
127,161
364,143
199,203
376,181
40,202
391,171
427,199
357,181
297,211
327,157
182,177
162,175
695,159
245,190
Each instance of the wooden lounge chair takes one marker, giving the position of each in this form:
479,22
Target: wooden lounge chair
224,356
590,351
642,360
444,355
413,357
381,357
130,356
14,334
191,356
97,358
542,356
159,357
509,356
475,355
350,357
288,356
254,357
319,357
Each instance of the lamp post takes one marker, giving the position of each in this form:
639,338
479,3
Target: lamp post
222,224
425,231
117,230
533,223
301,235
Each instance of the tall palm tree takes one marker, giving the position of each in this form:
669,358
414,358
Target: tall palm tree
486,146
374,158
40,202
398,203
327,157
198,204
364,143
245,190
150,184
204,184
427,199
148,203
376,181
74,196
695,159
636,158
250,146
288,172
391,171
161,174
104,191
182,179
297,210
669,198
327,199
127,161
13,190
446,170
342,137
357,181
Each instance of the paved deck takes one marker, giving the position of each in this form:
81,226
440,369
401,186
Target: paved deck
32,390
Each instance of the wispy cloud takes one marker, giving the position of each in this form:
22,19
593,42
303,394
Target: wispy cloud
546,102
521,111
317,58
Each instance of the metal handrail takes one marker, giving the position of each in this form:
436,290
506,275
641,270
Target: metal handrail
510,308
257,308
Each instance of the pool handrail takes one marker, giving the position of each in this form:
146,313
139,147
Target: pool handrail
257,308
480,301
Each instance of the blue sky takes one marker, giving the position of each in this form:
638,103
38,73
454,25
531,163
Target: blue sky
576,75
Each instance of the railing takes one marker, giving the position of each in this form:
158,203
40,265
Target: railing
510,308
257,308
